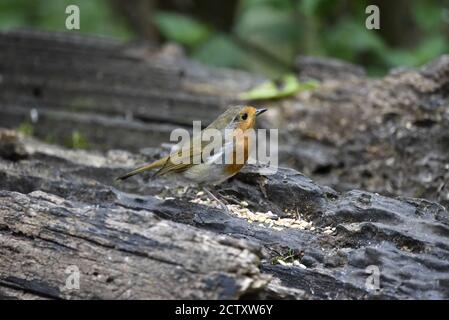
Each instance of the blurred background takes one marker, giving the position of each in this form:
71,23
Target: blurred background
262,36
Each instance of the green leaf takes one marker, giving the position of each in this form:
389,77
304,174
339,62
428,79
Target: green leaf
285,87
350,38
180,28
425,51
220,51
429,16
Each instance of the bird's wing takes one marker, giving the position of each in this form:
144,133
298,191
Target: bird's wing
183,158
186,156
156,164
191,154
193,151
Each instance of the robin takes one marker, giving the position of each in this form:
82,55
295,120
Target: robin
235,121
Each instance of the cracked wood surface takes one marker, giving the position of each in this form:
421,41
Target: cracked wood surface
70,194
120,253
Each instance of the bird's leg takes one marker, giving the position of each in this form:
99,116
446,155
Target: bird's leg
229,198
222,205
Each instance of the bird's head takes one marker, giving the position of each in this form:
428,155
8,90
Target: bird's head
241,117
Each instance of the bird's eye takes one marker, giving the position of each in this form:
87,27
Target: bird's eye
244,116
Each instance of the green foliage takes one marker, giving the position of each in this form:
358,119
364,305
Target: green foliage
350,39
26,128
428,16
424,52
219,50
181,28
284,87
266,35
96,16
284,28
77,141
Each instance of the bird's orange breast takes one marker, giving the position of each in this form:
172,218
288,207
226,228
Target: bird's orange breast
240,152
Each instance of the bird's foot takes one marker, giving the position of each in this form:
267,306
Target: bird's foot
229,199
214,197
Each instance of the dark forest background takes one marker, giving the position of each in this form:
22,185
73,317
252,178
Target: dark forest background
262,36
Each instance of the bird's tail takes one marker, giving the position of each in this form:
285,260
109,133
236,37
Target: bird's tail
156,164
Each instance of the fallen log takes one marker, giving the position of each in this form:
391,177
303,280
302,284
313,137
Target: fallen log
117,253
315,242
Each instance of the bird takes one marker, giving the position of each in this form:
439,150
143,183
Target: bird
233,125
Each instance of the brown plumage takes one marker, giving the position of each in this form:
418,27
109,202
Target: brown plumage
238,119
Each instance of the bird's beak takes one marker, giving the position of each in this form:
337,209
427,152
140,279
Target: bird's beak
260,111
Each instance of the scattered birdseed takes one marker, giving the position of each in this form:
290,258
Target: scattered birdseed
182,191
266,219
207,202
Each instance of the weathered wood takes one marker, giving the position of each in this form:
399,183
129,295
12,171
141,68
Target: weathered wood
120,253
407,239
98,131
100,87
63,73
